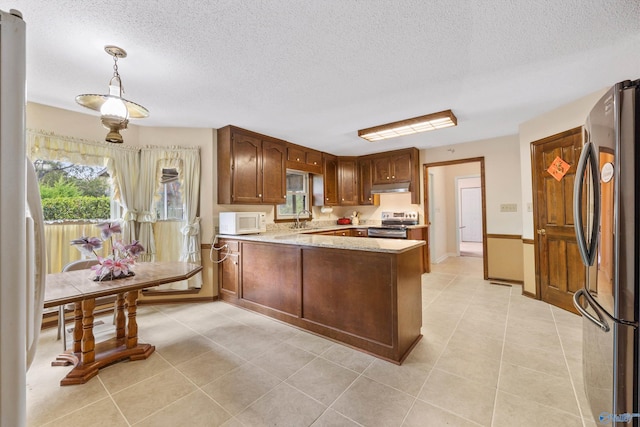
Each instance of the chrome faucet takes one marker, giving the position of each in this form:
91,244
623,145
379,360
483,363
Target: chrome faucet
298,216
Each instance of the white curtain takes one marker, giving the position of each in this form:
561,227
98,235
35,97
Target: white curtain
124,168
186,161
136,177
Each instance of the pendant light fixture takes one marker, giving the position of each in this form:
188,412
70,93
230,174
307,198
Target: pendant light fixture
114,109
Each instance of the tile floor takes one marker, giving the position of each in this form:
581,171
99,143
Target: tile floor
489,357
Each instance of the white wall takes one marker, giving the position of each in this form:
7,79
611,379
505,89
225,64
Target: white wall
502,177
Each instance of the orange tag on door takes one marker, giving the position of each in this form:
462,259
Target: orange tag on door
558,168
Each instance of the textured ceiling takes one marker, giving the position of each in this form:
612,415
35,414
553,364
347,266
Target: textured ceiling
314,72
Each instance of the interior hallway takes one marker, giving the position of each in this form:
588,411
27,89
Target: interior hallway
489,357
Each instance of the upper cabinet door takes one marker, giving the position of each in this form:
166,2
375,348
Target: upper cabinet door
348,181
274,173
330,172
364,183
401,167
381,170
246,169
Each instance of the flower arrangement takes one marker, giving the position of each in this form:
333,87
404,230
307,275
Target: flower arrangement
116,265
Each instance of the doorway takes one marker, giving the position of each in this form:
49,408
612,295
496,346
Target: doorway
457,222
469,202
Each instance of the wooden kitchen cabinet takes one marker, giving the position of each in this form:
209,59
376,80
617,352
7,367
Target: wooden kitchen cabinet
251,168
396,167
368,300
348,181
229,268
304,159
422,233
329,181
277,288
364,184
399,166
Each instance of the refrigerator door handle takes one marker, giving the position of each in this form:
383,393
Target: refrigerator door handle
588,155
600,321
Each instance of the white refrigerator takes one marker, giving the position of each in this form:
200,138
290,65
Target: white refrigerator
22,254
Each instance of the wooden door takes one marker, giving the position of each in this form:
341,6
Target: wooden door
347,181
246,169
274,173
559,270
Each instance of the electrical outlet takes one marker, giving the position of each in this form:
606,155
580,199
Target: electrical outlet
509,207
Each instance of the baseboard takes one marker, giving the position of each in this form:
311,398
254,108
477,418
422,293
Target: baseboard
528,294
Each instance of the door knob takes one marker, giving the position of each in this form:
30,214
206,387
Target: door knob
542,231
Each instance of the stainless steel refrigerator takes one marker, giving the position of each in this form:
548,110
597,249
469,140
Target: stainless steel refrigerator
22,250
607,222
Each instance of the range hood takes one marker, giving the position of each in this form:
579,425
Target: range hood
396,187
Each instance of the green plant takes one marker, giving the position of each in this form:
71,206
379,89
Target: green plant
62,208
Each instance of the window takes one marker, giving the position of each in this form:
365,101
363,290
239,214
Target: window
169,205
297,196
72,191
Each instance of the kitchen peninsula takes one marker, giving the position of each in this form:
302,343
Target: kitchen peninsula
365,293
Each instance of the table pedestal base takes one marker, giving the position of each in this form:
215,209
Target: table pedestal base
107,353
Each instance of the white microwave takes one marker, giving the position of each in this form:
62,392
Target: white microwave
242,222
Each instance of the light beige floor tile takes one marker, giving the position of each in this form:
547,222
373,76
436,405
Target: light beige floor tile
331,418
211,365
310,342
470,400
102,413
322,380
515,411
351,359
146,397
531,338
427,350
282,406
548,390
476,343
373,404
233,422
408,378
423,414
482,326
47,400
126,373
469,365
536,358
195,410
241,339
193,345
283,360
241,387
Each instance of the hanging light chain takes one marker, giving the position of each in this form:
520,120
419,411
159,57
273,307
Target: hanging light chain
116,75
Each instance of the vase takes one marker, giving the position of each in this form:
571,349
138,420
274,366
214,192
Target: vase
110,276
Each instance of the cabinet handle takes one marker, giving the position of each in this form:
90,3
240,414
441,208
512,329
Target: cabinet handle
297,159
369,198
259,195
343,200
393,176
387,177
327,198
315,163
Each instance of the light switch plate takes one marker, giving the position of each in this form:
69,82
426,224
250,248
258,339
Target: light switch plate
509,207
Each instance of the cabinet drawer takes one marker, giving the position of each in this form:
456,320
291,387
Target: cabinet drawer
294,154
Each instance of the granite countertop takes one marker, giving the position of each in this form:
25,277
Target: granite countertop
304,237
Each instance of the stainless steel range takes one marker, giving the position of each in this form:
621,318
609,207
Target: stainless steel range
394,225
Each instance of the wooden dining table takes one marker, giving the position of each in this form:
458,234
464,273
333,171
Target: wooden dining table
79,288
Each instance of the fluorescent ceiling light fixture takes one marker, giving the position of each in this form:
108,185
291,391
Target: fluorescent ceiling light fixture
115,111
443,119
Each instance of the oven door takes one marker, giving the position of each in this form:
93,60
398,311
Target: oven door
388,232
